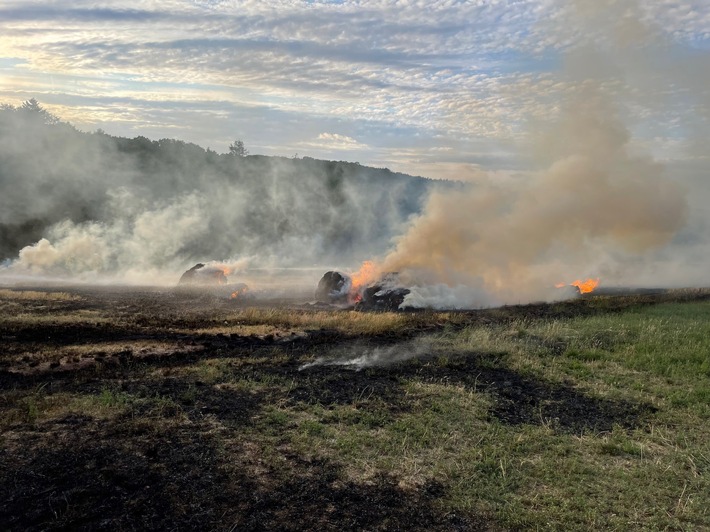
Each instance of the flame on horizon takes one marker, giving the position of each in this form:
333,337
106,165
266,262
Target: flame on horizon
226,270
585,287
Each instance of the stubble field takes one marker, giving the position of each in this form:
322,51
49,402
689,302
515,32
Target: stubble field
154,409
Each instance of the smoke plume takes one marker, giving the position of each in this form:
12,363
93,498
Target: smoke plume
93,207
597,205
597,198
517,241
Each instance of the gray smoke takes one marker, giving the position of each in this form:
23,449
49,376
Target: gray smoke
598,198
594,200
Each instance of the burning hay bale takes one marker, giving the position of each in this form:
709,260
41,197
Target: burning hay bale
239,291
386,294
578,287
212,279
201,275
334,287
338,288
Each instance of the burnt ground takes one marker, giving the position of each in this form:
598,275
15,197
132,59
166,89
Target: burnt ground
125,474
175,456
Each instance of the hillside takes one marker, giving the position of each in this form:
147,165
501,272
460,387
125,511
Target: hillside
115,201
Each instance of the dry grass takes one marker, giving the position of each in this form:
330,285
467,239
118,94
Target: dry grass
32,295
81,316
266,321
71,357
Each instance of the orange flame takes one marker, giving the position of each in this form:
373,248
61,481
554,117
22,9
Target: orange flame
239,292
218,275
365,275
587,286
360,279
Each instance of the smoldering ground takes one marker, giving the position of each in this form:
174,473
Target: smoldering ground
135,409
360,356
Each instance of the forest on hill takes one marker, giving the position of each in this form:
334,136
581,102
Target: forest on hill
106,203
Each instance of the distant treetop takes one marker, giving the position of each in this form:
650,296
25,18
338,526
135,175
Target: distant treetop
237,149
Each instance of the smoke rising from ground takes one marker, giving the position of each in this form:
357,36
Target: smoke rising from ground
596,200
137,246
359,358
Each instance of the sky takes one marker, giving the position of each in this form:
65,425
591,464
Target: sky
439,88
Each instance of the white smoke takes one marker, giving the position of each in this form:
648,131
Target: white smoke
595,200
358,358
93,206
128,247
442,296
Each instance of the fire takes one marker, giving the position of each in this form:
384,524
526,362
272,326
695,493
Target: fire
585,287
364,276
224,268
239,292
361,278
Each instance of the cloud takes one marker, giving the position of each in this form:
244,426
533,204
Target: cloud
334,142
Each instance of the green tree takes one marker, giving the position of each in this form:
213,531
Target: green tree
237,149
36,113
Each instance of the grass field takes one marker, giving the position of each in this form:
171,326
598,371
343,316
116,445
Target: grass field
127,409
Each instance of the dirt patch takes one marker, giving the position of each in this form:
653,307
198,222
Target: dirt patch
317,499
377,390
113,475
526,400
198,399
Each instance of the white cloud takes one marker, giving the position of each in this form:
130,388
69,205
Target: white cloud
339,142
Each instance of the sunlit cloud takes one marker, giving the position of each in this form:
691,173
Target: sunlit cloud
336,141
